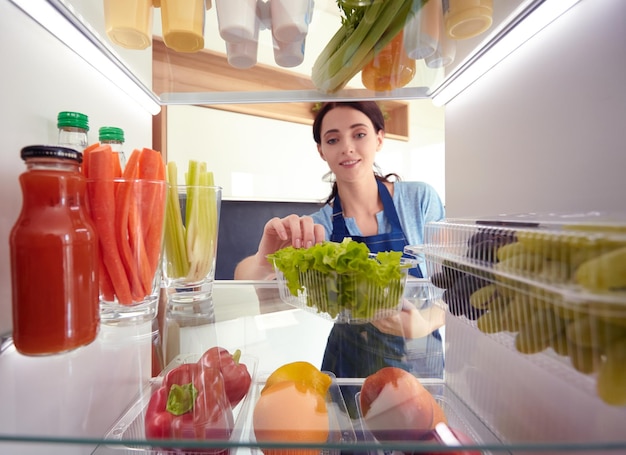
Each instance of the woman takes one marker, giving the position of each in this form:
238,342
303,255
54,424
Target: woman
369,208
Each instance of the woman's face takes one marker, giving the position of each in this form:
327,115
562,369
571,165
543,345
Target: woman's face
349,143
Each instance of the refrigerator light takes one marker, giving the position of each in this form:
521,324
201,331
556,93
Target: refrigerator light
63,24
540,17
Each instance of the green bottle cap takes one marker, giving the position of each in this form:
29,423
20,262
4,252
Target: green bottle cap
111,133
72,120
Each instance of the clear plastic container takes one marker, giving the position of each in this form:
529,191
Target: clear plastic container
467,18
552,282
344,298
237,20
390,68
341,430
183,24
290,19
288,55
128,23
422,30
131,425
459,418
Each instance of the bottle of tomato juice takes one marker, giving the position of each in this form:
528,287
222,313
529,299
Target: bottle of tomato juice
54,256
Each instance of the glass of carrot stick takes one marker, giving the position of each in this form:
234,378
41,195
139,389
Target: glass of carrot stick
128,210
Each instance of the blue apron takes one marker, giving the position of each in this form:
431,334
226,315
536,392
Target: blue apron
358,350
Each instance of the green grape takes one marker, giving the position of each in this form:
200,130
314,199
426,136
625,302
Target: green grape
491,322
583,358
569,311
482,297
535,336
547,245
518,313
525,262
511,249
555,272
559,343
594,332
611,381
604,273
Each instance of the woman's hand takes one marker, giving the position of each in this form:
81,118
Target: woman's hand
278,233
411,322
293,230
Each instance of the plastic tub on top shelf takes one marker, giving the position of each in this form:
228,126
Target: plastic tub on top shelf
554,283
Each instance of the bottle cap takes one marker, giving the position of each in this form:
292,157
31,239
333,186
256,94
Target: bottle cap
73,120
51,151
111,133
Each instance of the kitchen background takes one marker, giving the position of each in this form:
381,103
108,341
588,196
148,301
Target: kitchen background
542,131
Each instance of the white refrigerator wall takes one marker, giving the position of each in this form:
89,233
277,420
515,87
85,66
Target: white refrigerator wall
542,132
39,78
545,130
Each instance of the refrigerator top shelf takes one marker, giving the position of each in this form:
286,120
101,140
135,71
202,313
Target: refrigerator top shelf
154,65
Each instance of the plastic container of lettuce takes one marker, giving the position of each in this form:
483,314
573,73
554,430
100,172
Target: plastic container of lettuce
342,282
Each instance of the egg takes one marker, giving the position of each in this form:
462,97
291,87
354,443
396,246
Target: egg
290,412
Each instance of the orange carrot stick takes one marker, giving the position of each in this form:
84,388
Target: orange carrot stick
102,204
123,207
107,291
152,167
85,165
136,238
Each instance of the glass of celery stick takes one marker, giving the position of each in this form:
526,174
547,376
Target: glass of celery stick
189,253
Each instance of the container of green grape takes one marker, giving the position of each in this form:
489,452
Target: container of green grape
554,283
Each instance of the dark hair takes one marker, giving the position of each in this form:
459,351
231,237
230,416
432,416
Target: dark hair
372,111
369,108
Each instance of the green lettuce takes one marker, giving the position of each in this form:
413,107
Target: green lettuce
343,278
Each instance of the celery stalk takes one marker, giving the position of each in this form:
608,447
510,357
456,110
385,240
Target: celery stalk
190,246
328,64
336,65
201,221
174,229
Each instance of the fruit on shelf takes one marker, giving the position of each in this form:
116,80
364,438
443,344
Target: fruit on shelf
562,289
605,272
292,408
301,372
395,406
390,68
611,384
285,413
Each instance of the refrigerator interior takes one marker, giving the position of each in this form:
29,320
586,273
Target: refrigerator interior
540,132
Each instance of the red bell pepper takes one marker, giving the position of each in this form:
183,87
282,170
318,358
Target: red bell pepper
190,404
237,378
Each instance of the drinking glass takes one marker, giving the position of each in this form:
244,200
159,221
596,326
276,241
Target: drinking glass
129,217
190,246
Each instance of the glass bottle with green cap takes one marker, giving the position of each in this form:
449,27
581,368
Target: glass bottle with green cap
73,130
114,137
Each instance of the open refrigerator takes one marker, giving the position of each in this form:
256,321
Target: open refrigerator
508,401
